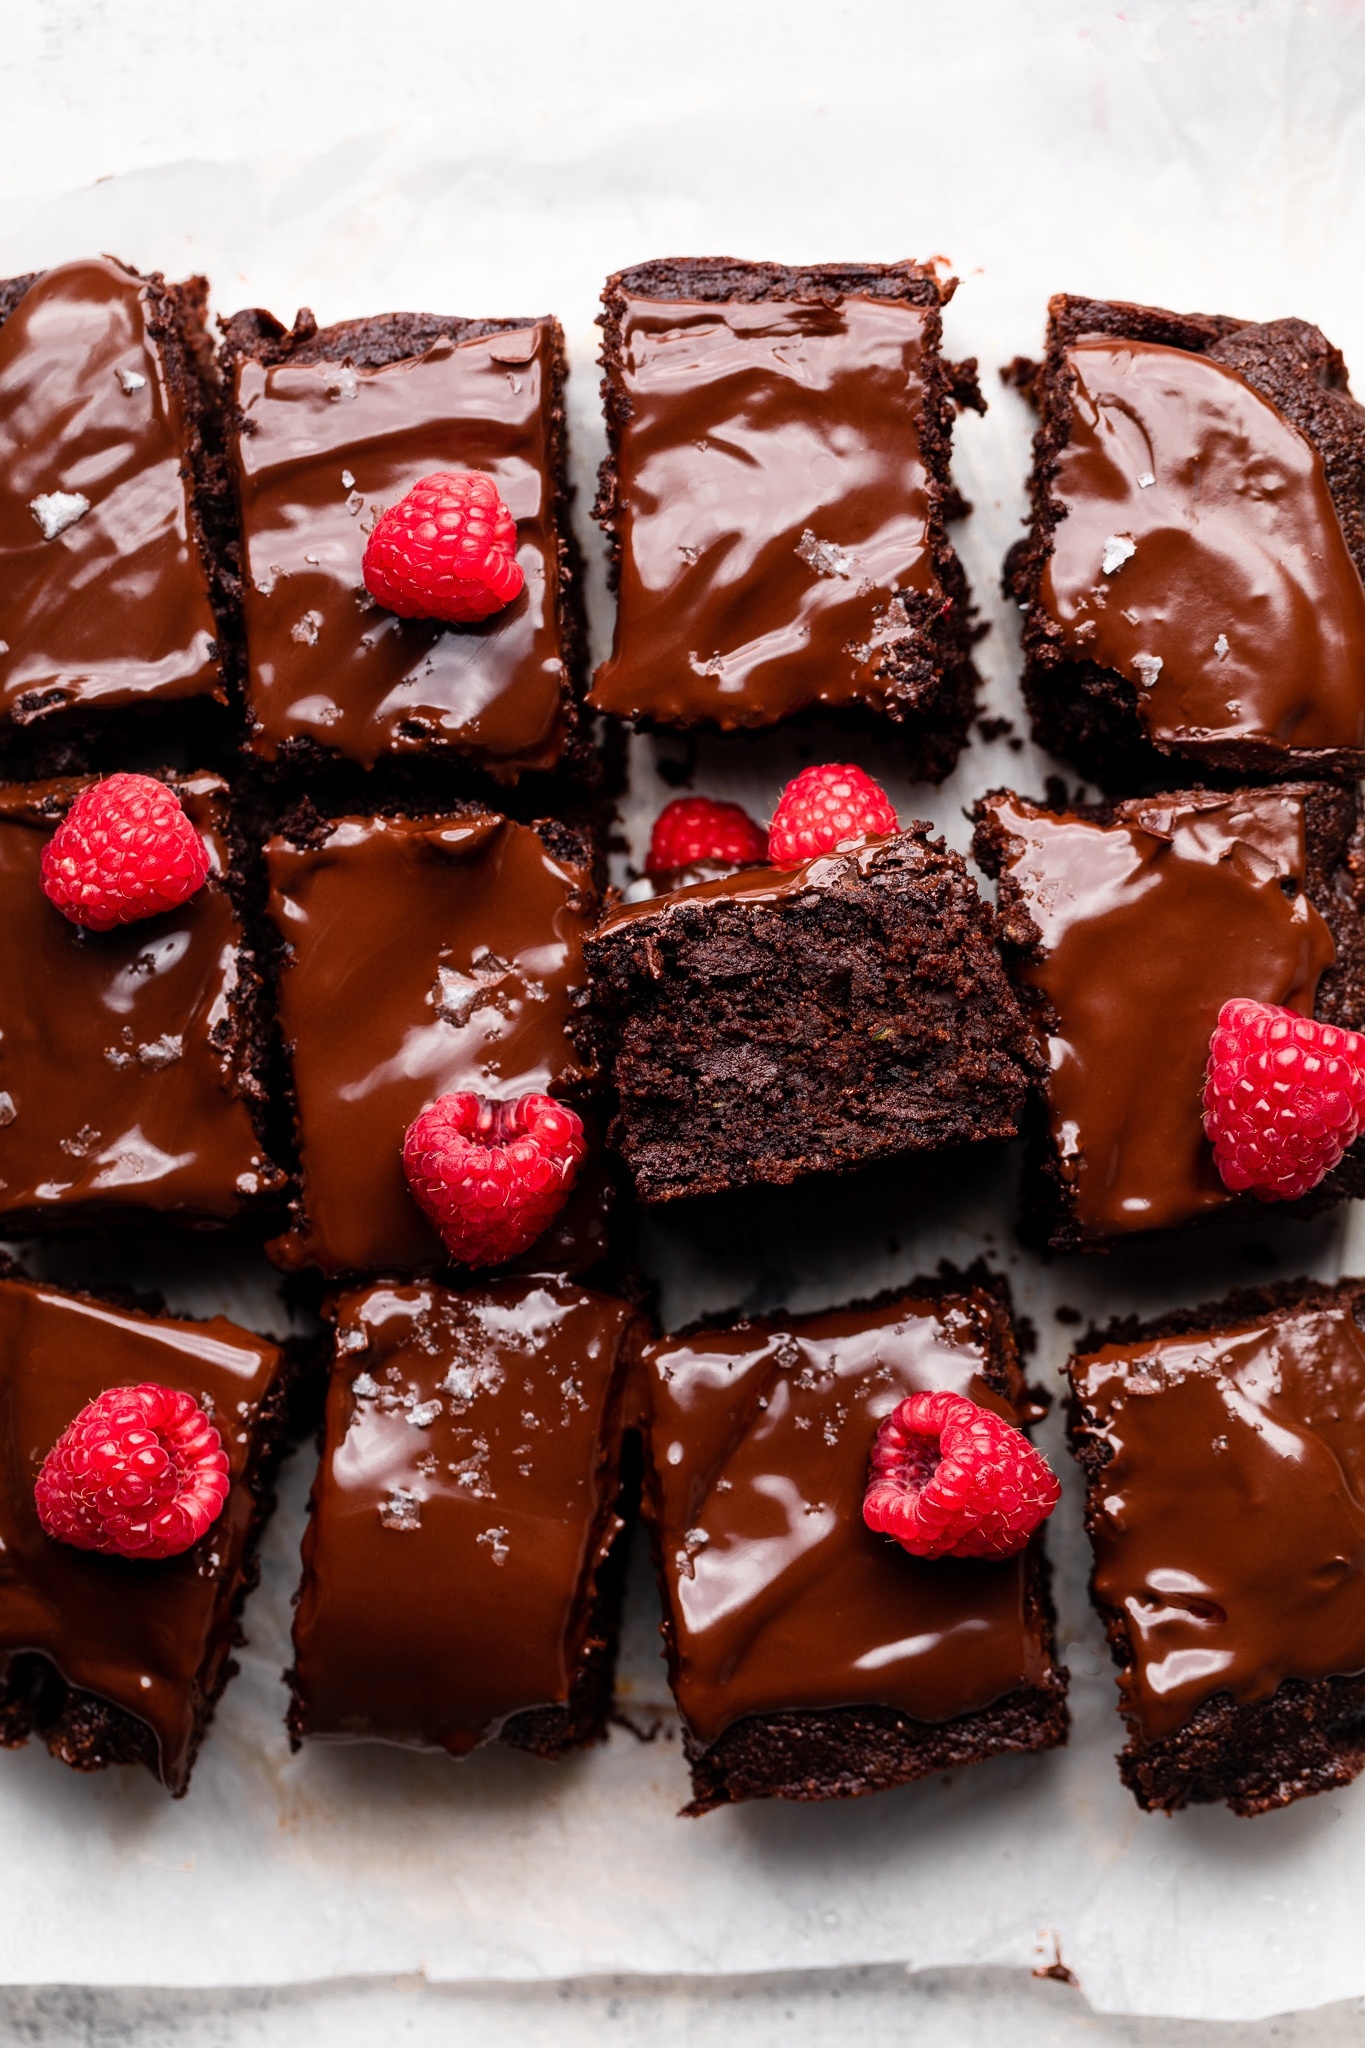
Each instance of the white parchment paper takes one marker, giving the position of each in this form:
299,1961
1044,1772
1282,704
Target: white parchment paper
482,160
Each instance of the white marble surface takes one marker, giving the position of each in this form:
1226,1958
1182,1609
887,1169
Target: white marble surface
485,159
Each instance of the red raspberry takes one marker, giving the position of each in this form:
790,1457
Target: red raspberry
825,807
951,1479
694,828
446,551
491,1176
141,1472
1283,1098
125,850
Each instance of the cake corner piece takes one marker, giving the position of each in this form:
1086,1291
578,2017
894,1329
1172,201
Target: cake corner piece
1216,1445
1157,638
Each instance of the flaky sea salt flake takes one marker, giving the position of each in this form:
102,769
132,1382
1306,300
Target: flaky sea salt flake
56,510
1118,549
402,1510
824,556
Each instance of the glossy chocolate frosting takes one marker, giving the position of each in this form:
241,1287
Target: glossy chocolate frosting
466,1497
778,1596
1147,925
424,956
324,448
717,884
151,1638
772,505
648,887
1201,556
114,608
1229,1521
126,1057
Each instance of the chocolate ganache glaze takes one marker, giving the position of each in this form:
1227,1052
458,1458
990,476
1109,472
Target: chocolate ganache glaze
1145,926
152,1639
103,593
647,888
1228,1519
466,1498
424,956
126,1057
717,883
778,1595
773,507
1201,555
323,449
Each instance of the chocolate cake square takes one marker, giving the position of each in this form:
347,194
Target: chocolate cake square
462,1565
776,497
1191,577
114,1660
1224,1455
811,1658
1127,927
777,1023
112,508
132,1062
423,957
330,426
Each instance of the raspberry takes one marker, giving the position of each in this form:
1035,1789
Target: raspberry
141,1472
125,850
825,807
693,828
446,551
1283,1098
491,1176
951,1479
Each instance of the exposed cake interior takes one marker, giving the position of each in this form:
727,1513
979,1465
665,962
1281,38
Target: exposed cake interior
773,1024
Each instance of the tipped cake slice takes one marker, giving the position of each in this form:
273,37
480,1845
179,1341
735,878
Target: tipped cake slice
778,1023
